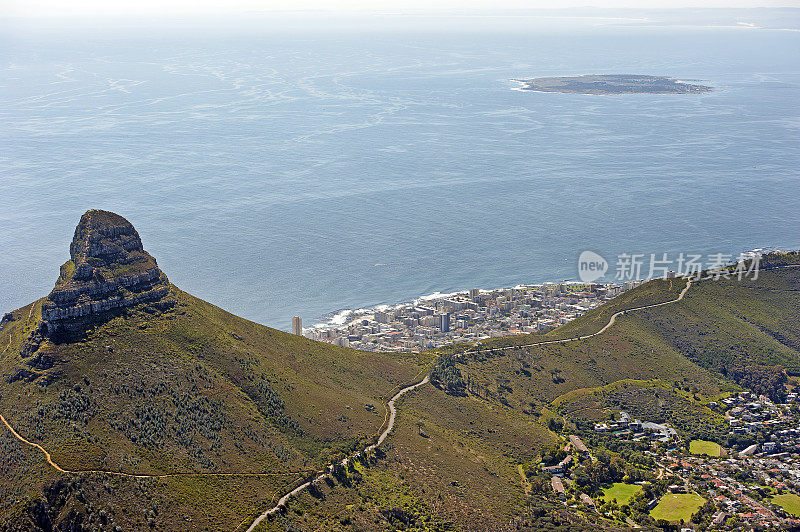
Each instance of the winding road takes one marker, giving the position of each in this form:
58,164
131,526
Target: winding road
389,426
601,331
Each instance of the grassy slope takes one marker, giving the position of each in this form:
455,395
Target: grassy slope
654,400
471,445
717,325
183,392
451,463
472,441
539,374
728,322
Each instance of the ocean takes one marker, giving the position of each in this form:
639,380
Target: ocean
303,164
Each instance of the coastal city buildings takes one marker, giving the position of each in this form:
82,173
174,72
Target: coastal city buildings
297,325
466,316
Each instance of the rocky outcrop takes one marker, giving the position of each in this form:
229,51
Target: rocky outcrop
108,270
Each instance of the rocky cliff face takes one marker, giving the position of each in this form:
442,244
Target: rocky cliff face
108,270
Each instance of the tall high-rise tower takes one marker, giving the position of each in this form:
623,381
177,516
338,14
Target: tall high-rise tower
444,322
297,325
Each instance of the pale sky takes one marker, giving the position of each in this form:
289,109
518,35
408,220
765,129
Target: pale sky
40,8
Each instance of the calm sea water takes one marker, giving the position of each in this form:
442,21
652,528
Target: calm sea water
300,167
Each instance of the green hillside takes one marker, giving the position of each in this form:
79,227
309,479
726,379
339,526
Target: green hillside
162,410
723,333
194,389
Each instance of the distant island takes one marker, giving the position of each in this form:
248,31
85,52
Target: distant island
611,84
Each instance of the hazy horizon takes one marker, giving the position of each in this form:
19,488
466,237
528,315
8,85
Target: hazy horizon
148,8
460,20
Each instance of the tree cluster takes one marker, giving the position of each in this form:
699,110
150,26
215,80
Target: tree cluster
447,376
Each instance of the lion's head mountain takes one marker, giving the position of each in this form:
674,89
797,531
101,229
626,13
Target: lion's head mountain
108,271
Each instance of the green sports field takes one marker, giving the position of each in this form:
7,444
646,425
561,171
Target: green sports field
708,448
622,492
677,506
789,502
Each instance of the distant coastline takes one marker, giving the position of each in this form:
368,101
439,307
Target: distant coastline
611,84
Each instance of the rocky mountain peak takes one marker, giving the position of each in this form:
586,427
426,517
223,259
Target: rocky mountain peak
108,270
102,238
